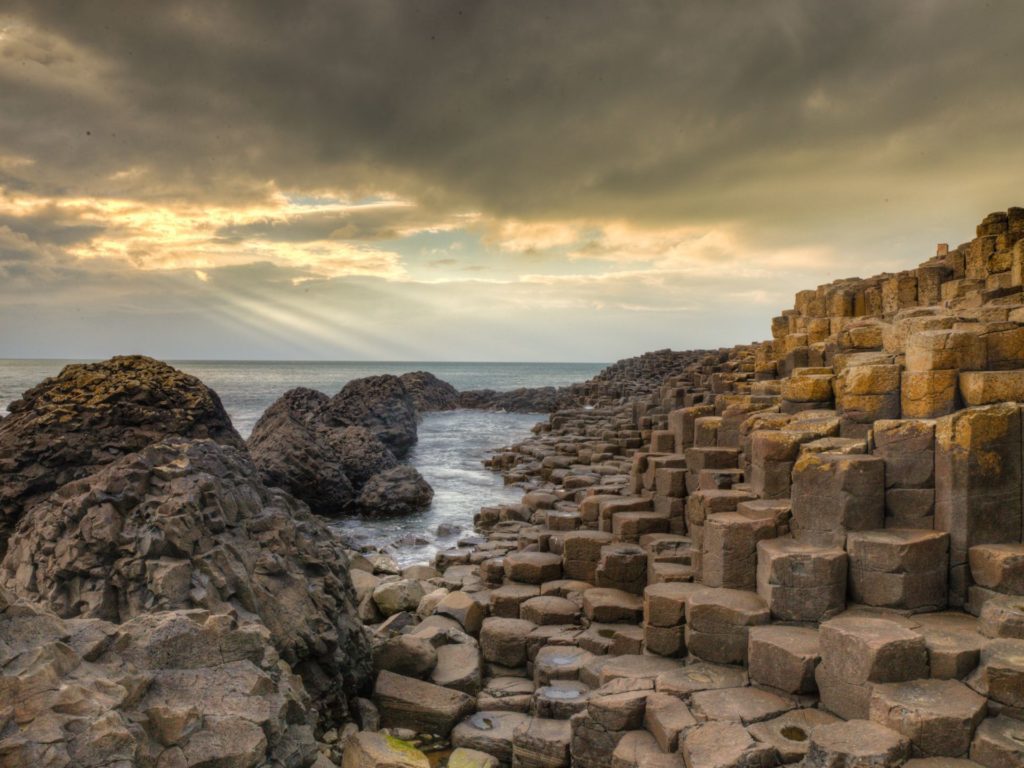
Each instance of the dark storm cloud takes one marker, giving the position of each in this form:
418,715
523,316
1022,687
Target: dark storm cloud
657,111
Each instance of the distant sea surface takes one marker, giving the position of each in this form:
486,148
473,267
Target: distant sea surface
451,445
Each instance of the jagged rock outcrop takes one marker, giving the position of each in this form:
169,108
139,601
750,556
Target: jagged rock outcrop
177,688
430,393
301,444
188,524
379,403
88,416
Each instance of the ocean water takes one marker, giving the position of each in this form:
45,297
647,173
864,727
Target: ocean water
451,445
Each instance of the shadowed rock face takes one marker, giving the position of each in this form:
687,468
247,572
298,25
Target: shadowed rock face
88,416
290,449
308,444
187,524
379,403
429,393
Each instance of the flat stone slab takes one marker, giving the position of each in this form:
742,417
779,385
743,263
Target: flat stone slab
637,667
489,731
790,733
738,705
702,676
405,702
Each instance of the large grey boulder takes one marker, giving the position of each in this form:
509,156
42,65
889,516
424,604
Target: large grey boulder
188,524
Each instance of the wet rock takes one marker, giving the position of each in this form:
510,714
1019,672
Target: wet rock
400,490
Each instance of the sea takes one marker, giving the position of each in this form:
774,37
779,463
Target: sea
449,454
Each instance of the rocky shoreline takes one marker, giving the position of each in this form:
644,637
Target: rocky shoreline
809,549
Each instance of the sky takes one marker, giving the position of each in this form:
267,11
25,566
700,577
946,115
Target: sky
440,180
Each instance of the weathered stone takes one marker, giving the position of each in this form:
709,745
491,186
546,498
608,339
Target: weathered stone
729,549
464,609
790,733
393,597
928,394
999,567
1003,617
857,652
740,705
945,350
784,657
375,750
938,716
700,676
977,483
986,387
665,604
506,600
405,702
533,567
612,605
834,494
639,749
899,568
801,582
561,699
725,745
668,719
622,567
547,610
491,732
999,743
717,622
855,743
555,662
541,743
458,667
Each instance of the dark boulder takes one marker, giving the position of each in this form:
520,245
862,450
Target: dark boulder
379,403
300,446
430,393
292,452
90,415
396,491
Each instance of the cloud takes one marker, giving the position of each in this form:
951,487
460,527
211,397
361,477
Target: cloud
614,170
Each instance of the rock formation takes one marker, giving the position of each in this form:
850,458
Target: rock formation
808,549
88,416
429,393
160,606
177,688
334,454
379,403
